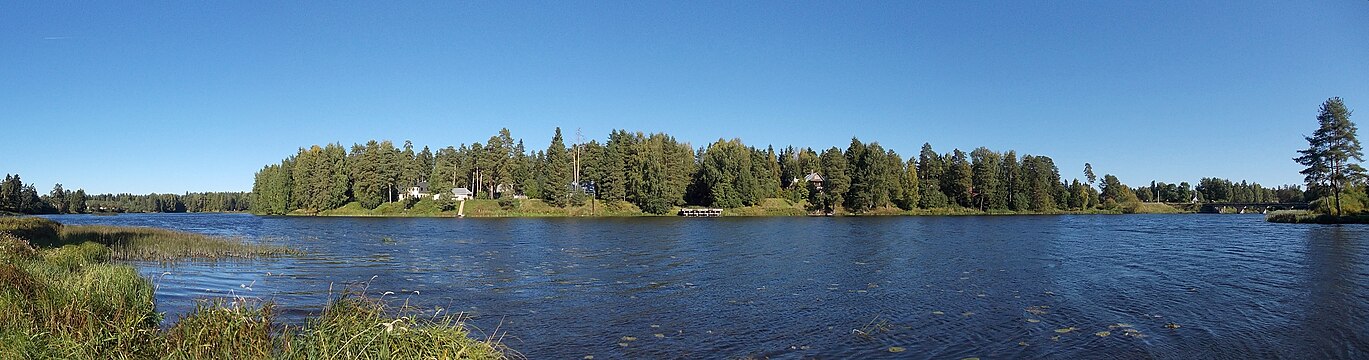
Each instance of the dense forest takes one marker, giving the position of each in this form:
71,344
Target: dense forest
18,197
657,173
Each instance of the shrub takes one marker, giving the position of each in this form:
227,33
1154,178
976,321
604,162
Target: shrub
1350,203
509,203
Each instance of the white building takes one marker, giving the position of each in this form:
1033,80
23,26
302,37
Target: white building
459,194
420,191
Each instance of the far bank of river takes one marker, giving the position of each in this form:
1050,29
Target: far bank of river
768,207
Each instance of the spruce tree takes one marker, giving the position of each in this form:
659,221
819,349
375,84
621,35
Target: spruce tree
556,185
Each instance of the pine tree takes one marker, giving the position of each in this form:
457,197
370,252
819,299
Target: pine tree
930,169
958,182
1333,153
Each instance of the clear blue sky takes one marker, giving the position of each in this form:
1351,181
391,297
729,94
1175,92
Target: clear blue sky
196,96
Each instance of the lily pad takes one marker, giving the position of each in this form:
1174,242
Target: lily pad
1033,321
1066,330
897,349
629,338
659,336
1103,333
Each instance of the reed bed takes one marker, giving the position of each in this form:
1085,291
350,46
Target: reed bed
140,243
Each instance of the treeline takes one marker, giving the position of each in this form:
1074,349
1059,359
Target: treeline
18,197
656,172
171,203
1219,191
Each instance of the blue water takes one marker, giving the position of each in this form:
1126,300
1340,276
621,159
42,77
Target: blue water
939,287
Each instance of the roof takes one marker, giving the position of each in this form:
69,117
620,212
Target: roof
461,191
812,177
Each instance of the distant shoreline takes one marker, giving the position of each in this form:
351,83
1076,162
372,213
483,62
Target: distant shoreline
532,208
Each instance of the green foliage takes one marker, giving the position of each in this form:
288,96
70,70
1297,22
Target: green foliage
911,186
509,203
1352,201
1333,154
557,177
958,181
875,177
987,180
1114,192
1308,217
69,302
142,243
836,180
726,175
930,170
218,329
657,174
39,231
72,257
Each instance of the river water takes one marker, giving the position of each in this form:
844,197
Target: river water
794,287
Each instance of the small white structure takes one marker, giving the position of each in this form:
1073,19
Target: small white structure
459,194
419,191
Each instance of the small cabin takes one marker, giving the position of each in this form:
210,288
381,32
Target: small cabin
815,179
459,194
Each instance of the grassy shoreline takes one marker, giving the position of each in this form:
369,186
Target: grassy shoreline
485,208
1308,217
68,299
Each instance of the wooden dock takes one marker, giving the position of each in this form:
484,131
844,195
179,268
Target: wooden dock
701,212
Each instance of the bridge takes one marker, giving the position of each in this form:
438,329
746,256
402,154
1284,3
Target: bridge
1240,207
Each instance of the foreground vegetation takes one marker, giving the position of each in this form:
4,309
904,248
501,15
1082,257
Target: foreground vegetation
66,300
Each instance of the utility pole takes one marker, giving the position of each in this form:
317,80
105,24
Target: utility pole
579,138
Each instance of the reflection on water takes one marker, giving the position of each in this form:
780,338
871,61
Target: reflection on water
1161,286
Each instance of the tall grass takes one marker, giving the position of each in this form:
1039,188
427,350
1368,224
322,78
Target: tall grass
66,303
70,302
39,231
139,243
354,326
